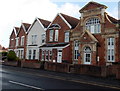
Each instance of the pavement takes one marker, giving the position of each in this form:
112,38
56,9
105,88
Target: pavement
109,82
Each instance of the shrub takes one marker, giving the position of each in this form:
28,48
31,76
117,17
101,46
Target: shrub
11,56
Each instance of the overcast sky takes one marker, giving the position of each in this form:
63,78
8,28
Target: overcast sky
13,12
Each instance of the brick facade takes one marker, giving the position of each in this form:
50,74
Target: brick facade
108,29
92,32
12,39
63,23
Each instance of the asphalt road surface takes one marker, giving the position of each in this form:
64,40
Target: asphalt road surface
14,78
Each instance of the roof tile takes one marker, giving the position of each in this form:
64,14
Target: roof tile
71,20
44,22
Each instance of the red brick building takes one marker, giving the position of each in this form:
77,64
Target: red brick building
21,40
12,39
57,47
96,38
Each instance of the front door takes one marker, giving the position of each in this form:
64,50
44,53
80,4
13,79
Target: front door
87,55
59,56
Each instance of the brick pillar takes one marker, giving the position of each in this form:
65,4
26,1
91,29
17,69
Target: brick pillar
94,61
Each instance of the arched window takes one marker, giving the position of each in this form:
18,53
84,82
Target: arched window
93,25
87,50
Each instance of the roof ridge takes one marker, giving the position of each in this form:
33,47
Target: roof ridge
44,19
26,23
71,20
112,19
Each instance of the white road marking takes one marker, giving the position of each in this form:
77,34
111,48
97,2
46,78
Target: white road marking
18,83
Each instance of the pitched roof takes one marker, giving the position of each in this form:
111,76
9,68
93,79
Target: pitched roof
113,20
92,5
26,25
71,20
16,30
44,22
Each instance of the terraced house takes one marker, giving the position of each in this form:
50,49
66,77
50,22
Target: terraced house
36,37
96,38
12,39
21,40
57,47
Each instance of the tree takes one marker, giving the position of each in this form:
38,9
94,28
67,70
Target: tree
11,56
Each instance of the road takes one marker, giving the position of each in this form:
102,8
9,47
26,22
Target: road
21,78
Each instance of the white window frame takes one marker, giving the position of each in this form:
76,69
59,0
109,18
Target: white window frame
43,55
76,49
59,56
56,35
67,34
110,49
93,25
19,53
50,55
34,39
22,54
22,40
34,54
51,32
87,52
30,54
46,55
17,41
43,36
12,39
